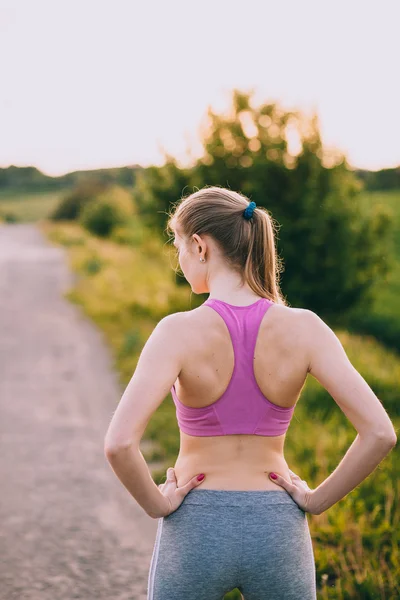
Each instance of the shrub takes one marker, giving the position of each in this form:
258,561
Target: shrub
72,204
132,234
109,210
9,217
92,266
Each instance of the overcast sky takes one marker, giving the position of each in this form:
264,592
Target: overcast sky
102,83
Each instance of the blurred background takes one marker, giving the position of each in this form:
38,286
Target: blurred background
109,113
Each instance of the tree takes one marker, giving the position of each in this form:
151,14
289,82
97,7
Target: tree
333,250
157,188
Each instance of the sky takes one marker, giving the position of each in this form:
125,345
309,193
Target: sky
104,83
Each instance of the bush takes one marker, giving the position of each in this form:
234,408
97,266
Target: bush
9,217
72,204
92,266
109,210
132,234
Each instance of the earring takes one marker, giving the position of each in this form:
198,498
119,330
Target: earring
202,259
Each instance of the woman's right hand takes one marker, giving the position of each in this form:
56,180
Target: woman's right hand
175,495
299,491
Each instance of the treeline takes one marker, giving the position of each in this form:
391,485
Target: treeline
385,179
26,179
32,179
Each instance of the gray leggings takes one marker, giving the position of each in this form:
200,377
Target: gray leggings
218,540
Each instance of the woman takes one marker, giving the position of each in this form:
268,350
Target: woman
231,513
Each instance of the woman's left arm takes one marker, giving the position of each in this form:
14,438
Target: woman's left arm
158,367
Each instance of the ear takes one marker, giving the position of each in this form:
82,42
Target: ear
200,244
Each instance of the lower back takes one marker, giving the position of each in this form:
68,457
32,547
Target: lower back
232,462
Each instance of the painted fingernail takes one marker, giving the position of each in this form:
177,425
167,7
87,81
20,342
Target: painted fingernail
200,477
273,476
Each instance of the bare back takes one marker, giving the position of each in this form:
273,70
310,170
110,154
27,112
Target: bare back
239,462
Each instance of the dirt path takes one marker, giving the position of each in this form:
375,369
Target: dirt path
69,529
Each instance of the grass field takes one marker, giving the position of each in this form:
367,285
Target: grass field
28,206
390,293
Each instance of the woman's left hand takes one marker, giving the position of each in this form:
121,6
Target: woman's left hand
298,489
173,494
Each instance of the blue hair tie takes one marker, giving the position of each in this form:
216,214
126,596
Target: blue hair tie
248,211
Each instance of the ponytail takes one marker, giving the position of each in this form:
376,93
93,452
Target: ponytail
263,266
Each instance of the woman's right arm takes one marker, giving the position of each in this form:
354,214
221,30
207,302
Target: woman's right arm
329,364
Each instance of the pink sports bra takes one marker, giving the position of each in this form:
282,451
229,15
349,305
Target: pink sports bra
242,408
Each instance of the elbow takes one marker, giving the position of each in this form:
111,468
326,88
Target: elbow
393,439
386,438
113,448
110,451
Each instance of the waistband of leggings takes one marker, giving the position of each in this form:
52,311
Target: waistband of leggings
238,497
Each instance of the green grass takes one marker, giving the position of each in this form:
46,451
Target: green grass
28,206
382,318
126,289
389,294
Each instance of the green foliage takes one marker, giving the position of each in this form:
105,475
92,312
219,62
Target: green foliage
93,265
110,209
31,180
9,217
74,201
68,235
234,595
157,188
132,233
385,179
23,178
380,318
335,253
131,345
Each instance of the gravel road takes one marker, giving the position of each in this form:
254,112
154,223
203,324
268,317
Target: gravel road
69,529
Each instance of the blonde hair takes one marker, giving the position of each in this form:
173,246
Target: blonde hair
248,245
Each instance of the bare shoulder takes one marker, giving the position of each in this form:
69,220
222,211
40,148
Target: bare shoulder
174,324
176,329
300,329
294,320
314,332
302,317
287,312
318,336
182,322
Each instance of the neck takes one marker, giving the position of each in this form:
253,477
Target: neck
230,288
